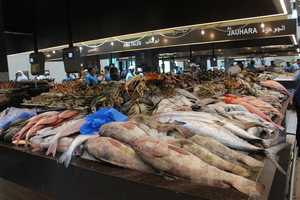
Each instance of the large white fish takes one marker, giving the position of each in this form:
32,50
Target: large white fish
178,163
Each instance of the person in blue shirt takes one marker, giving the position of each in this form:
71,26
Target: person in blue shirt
91,78
178,71
107,74
289,68
251,66
69,78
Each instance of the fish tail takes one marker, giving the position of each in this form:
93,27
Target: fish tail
65,158
248,187
52,148
241,171
272,152
251,161
248,125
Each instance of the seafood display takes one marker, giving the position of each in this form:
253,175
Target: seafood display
9,85
188,127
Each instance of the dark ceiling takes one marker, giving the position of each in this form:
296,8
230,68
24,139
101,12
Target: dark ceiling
94,19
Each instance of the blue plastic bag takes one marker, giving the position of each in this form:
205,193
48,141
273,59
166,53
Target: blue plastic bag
99,118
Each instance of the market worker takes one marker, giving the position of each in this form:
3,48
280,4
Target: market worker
194,68
91,78
272,64
139,71
235,69
289,68
222,69
69,78
114,74
130,73
86,72
296,106
21,76
107,75
252,67
47,75
178,70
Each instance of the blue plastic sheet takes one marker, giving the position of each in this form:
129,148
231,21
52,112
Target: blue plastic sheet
14,113
99,118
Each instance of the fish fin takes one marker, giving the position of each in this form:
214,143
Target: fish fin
52,148
267,143
65,158
248,187
178,149
218,123
178,122
272,152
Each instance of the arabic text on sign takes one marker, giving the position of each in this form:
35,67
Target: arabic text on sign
150,41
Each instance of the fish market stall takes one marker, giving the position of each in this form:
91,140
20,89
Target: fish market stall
151,138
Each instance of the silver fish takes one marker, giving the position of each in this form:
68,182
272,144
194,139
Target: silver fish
186,94
79,140
178,163
66,129
114,152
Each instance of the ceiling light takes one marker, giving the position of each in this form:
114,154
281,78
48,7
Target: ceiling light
53,52
262,25
202,32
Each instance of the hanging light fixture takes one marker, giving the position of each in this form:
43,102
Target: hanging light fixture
262,24
152,38
202,31
53,52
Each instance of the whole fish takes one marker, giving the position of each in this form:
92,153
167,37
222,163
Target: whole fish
114,152
159,126
122,131
66,129
186,94
208,157
211,129
4,131
252,109
31,122
79,140
271,83
178,163
220,110
212,116
225,137
39,144
223,151
234,107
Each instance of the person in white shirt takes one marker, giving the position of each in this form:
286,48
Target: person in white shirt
235,69
21,76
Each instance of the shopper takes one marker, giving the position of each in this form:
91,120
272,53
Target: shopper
130,73
194,68
178,70
235,69
114,74
21,76
252,67
289,68
107,74
90,78
296,106
69,78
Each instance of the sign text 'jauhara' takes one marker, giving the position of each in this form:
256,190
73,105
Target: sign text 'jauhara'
242,31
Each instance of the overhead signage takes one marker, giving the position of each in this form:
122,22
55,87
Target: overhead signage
188,37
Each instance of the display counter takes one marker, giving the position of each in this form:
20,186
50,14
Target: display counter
87,179
288,83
